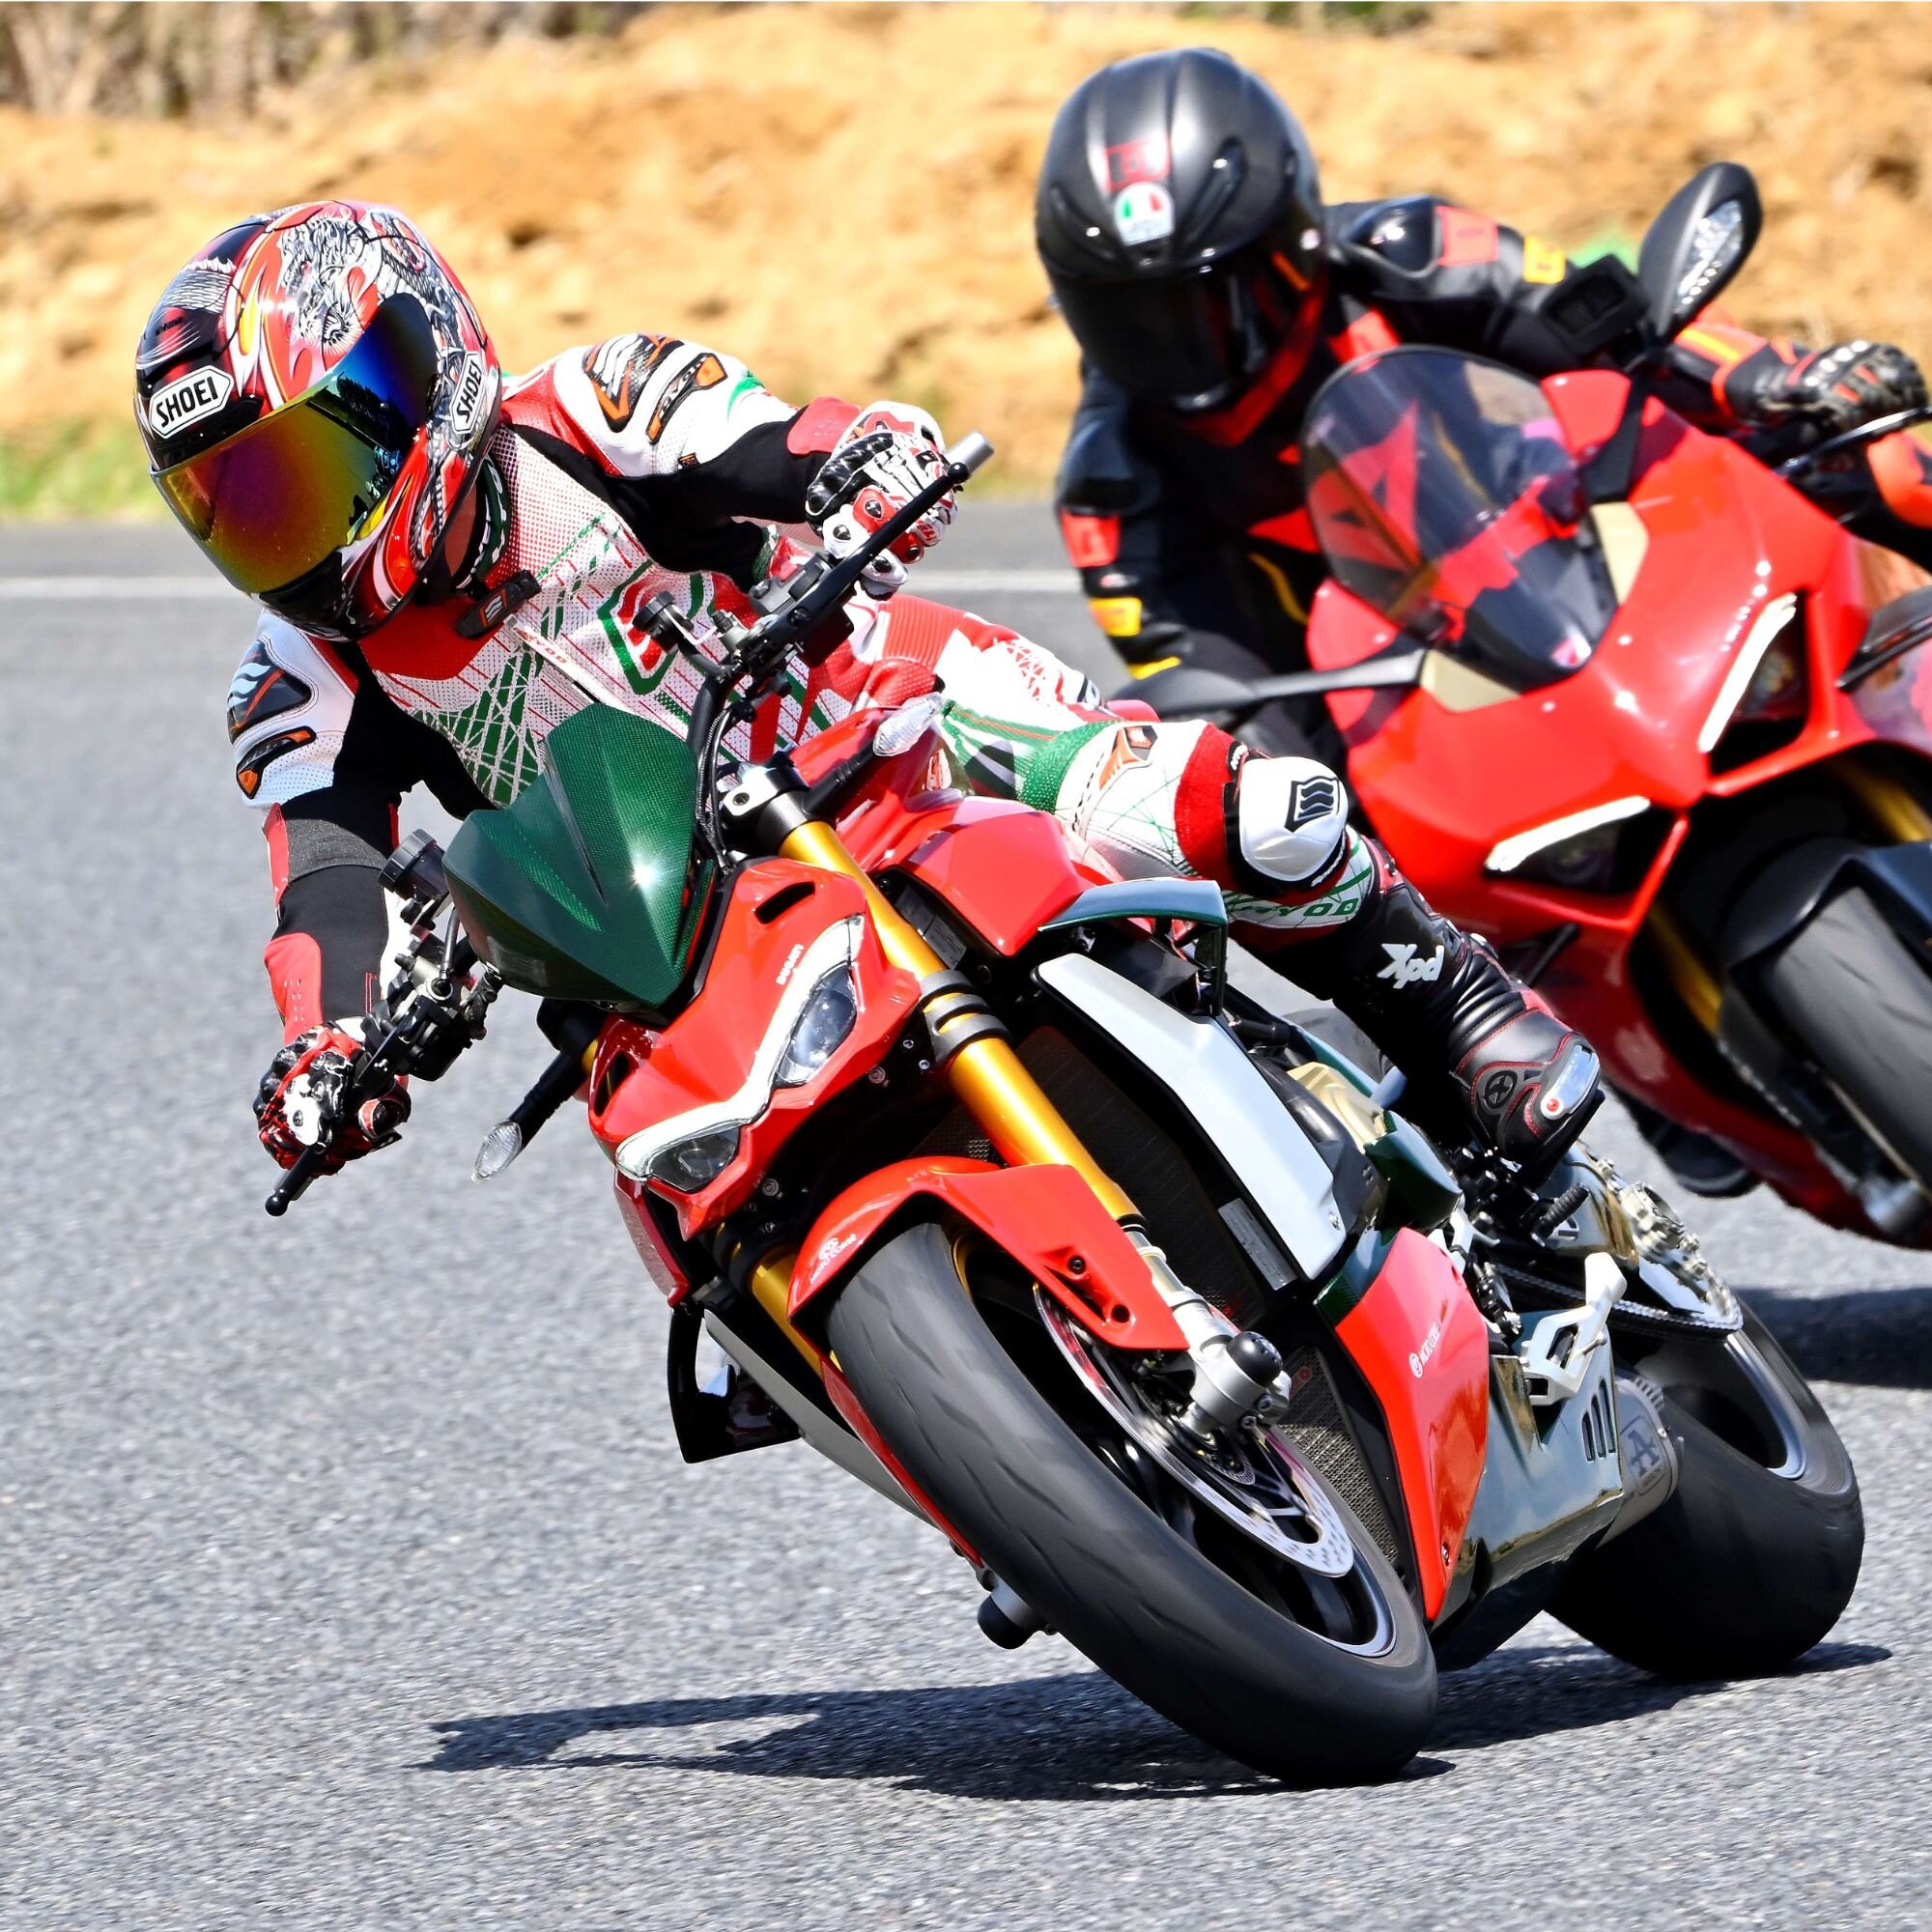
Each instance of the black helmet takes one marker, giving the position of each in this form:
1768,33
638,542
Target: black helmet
1180,220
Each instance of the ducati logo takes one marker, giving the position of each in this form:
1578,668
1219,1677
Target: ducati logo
1405,969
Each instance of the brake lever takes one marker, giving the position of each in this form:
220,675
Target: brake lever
294,1183
1875,430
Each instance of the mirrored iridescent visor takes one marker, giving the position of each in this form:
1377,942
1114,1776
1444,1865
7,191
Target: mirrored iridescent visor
273,502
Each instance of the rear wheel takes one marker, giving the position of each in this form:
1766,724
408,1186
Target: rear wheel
1235,1593
1755,1557
1850,988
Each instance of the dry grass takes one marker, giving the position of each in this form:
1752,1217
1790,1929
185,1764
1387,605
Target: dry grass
842,194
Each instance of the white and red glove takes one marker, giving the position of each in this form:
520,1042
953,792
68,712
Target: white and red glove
888,454
302,1093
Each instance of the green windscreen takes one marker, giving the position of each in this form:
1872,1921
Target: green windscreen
578,889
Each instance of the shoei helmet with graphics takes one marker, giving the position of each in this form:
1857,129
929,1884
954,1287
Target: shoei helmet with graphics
1180,219
315,390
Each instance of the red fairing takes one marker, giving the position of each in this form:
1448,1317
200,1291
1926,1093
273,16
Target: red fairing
1046,1218
660,1263
645,1077
1417,1339
1445,777
999,866
1002,866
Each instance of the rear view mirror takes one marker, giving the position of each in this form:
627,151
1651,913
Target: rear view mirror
1698,244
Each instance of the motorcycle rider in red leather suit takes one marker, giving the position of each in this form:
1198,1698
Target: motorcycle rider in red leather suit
451,562
1213,293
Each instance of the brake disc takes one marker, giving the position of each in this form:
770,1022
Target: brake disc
1252,1479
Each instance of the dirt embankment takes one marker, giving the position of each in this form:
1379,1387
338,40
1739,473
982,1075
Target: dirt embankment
842,194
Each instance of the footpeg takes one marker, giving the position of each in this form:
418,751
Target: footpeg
1556,1348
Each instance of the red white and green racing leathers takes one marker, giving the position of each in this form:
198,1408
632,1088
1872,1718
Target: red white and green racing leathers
646,463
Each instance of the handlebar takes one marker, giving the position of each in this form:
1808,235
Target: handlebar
800,605
375,1073
1875,430
293,1185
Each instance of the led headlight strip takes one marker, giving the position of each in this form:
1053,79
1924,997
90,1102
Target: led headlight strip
1507,854
1771,620
832,951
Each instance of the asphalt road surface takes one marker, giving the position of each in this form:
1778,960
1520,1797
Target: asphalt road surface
348,1575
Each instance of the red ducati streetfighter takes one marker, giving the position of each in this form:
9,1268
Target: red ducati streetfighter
1616,694
986,1184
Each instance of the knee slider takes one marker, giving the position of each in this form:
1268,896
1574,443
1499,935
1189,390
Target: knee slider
1292,818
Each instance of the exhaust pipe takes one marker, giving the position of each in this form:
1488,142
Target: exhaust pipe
1649,1458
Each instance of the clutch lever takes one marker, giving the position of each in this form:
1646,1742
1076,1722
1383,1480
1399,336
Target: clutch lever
425,1035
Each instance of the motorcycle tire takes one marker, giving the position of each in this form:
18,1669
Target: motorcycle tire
1096,1561
1852,991
1744,1568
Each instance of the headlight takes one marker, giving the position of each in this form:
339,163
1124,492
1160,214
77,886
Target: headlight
693,1165
816,1009
1566,844
830,1013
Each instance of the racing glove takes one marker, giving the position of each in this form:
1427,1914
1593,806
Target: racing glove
303,1093
889,453
1826,391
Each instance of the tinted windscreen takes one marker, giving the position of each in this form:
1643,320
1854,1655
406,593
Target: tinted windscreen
1443,493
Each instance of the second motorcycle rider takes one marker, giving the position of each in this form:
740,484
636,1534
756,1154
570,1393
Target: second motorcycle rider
450,564
1214,293
1181,222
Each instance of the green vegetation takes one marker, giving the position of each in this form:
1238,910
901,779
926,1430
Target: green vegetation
75,469
1609,241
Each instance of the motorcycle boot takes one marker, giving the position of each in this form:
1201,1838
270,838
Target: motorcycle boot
1478,1049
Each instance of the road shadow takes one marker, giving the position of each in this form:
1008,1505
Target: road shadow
1537,1691
1880,1336
1068,1739
1063,1739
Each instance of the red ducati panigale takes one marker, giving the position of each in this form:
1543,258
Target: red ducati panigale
1617,696
986,1184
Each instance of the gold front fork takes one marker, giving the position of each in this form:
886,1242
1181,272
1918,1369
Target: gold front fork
1888,801
1696,984
987,1074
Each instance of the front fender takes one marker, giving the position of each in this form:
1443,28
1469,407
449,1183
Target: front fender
1898,877
1046,1218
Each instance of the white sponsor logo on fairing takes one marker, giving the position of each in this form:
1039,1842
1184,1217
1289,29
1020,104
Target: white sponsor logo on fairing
1405,969
1419,1359
188,398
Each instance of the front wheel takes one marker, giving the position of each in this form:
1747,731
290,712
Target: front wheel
1850,988
1290,1643
1755,1557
